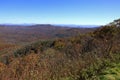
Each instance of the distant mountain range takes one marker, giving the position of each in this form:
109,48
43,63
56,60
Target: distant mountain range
15,33
60,25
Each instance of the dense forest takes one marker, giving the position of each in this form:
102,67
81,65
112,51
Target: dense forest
60,53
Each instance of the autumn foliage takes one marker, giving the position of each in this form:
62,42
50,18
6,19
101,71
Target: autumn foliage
74,58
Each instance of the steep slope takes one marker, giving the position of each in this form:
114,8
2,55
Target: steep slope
115,22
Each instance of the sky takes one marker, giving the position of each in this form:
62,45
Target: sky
79,12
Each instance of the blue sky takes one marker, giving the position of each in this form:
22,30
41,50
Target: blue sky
83,12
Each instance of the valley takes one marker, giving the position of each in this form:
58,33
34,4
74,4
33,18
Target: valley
60,53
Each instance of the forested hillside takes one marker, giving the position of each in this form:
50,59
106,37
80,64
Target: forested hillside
21,34
80,57
15,36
